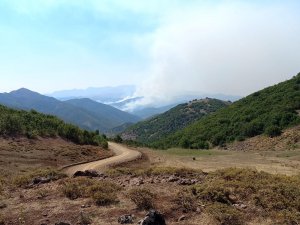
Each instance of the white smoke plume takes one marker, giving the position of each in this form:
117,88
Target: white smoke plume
231,48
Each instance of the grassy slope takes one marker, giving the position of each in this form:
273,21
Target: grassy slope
267,111
33,124
173,120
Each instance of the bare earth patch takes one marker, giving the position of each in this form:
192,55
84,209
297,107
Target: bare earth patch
22,154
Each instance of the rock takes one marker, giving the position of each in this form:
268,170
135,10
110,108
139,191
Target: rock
240,206
153,218
173,178
85,206
232,198
183,217
136,181
199,210
62,223
40,180
185,181
2,205
88,173
126,219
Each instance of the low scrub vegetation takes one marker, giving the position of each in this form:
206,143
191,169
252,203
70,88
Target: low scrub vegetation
33,124
230,193
226,215
186,201
102,192
142,197
25,179
154,171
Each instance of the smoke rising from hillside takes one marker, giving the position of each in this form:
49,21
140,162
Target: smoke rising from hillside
234,49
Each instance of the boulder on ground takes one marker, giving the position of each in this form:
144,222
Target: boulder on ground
126,219
62,223
153,218
87,173
41,180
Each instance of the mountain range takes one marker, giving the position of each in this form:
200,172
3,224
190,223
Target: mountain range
85,113
173,120
124,98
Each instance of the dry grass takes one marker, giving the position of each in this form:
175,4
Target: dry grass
186,201
25,179
102,192
263,194
142,197
21,154
154,171
282,162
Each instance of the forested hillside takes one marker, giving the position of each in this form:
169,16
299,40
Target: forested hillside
33,124
173,120
268,111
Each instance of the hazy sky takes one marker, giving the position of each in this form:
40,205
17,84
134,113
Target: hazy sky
166,47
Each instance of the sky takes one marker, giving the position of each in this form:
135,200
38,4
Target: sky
165,47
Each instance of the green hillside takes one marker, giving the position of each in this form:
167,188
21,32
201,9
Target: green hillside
264,112
33,124
173,120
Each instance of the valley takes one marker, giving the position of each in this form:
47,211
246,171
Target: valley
53,172
161,112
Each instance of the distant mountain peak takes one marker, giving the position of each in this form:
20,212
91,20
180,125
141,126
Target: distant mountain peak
23,91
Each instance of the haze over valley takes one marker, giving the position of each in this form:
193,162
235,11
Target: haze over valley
165,112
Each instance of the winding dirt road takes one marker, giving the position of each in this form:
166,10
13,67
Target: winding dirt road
122,154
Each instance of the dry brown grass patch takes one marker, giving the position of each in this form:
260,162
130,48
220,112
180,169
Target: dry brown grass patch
142,197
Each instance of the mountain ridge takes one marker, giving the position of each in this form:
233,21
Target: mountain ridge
176,118
267,111
26,99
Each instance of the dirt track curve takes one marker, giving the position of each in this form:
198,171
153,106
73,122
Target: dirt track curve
122,154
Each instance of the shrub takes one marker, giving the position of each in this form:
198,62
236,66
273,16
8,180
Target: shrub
74,188
102,192
186,201
84,219
143,198
118,139
102,199
276,196
225,215
154,171
25,179
273,131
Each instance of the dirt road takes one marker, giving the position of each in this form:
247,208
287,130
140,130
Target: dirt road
122,154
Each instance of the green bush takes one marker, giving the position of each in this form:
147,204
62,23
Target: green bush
273,131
